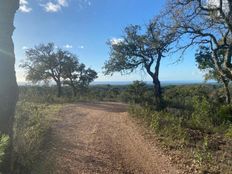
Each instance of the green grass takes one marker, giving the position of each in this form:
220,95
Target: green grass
196,135
32,126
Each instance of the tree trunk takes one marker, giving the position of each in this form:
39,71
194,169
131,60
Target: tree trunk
74,91
73,87
157,86
227,91
8,84
59,89
157,92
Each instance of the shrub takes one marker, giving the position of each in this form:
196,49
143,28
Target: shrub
202,154
4,139
144,113
31,127
202,118
229,132
225,113
168,125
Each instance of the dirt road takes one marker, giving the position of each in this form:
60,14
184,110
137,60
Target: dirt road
102,138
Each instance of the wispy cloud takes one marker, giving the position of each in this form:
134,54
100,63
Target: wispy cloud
68,46
56,6
81,47
53,6
63,2
24,6
84,3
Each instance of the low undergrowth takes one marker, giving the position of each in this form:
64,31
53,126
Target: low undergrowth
3,145
203,135
32,126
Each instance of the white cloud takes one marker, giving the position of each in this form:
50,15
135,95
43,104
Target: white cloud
63,2
24,6
81,47
67,46
84,3
53,7
23,2
116,41
24,47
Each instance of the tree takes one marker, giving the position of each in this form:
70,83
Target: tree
76,75
86,76
206,23
205,63
136,92
143,51
45,63
8,87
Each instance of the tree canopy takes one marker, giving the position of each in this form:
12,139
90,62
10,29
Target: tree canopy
76,74
45,63
206,23
141,49
206,64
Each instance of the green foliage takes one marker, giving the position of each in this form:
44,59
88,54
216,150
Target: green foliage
76,75
202,116
164,123
138,93
144,113
142,49
202,155
228,133
205,63
185,122
42,62
169,125
31,128
4,140
225,113
181,96
139,48
45,63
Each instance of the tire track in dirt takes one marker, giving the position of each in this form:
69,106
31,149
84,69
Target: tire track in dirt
101,138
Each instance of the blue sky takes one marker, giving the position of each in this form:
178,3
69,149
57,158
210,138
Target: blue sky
84,26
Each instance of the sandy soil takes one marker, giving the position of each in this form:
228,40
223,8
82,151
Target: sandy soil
102,138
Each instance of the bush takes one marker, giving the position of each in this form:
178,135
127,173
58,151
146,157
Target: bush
225,113
202,118
144,113
229,132
4,139
31,127
168,125
202,154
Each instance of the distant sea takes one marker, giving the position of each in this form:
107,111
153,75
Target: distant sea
163,83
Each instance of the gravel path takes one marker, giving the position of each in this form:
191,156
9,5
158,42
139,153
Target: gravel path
101,138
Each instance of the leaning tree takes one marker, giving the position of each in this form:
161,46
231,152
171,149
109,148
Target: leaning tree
8,87
143,50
